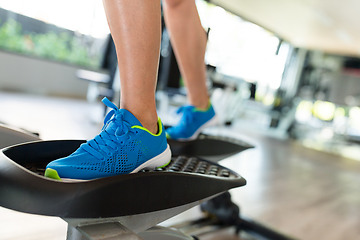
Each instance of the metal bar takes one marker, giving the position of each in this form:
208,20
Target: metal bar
104,231
257,229
74,234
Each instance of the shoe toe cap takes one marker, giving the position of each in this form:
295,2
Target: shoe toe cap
73,167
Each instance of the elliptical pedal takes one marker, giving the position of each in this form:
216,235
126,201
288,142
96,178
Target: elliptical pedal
194,165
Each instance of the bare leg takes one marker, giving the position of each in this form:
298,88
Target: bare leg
189,42
135,27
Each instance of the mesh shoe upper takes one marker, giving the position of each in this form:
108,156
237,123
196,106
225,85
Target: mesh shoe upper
191,123
121,147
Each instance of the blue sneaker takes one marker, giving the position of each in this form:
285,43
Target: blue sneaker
123,146
192,122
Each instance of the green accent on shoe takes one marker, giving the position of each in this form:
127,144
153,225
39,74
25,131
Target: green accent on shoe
168,136
202,110
165,164
156,135
51,173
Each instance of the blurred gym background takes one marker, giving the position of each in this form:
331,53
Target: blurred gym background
287,70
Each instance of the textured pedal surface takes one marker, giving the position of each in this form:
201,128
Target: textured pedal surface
194,165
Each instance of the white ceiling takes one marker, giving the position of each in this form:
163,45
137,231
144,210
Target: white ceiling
329,25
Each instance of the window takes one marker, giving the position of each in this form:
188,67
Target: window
66,31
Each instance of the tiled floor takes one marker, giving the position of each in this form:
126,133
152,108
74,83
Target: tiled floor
301,192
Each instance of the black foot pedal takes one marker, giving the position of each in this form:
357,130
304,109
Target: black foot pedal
24,188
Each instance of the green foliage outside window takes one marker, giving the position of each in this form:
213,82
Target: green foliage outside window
60,47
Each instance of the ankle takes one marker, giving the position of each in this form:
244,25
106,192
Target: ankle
147,116
152,127
150,123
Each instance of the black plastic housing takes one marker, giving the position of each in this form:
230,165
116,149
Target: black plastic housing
208,147
23,188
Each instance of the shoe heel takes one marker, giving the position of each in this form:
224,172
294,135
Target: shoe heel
159,161
165,164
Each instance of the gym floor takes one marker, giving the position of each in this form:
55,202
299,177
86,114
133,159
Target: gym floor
300,192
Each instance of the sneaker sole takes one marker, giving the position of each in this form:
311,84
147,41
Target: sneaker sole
160,160
213,121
